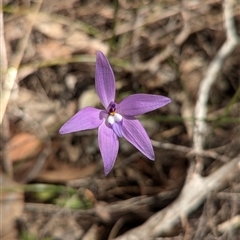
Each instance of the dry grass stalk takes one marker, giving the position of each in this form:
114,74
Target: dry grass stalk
11,74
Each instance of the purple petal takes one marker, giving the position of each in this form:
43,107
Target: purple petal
86,118
104,80
108,144
138,104
117,128
134,132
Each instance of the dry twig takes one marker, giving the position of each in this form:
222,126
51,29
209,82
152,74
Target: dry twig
229,225
189,151
3,52
211,76
132,204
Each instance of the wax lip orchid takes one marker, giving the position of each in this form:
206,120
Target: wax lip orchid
118,119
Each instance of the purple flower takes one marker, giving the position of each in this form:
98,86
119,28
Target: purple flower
118,119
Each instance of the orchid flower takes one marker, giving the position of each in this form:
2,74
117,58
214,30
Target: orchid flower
118,119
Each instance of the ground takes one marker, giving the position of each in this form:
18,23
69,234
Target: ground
53,186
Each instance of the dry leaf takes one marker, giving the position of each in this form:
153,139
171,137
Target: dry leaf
50,28
65,173
79,41
67,33
23,146
53,49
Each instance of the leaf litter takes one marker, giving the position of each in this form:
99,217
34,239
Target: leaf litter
142,36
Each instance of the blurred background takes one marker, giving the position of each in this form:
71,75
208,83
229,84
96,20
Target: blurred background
53,186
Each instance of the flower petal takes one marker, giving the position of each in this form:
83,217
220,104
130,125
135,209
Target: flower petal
86,118
108,144
138,104
117,128
134,132
104,80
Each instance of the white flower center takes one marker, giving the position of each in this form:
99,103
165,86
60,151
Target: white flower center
114,118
